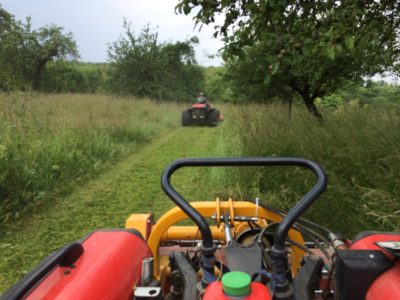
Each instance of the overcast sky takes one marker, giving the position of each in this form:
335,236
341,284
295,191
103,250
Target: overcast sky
94,23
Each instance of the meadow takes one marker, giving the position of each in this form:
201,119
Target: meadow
71,163
49,143
358,146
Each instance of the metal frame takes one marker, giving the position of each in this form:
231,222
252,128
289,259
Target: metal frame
164,230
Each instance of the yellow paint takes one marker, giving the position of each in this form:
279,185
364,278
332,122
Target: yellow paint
139,222
191,233
165,230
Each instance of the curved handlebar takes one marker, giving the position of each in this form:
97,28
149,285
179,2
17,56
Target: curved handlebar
289,219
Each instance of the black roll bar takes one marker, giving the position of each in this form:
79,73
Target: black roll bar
288,220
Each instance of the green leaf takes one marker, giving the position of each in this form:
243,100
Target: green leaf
330,52
275,68
267,79
349,42
178,8
186,9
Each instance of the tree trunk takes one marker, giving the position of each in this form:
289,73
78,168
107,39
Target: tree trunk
288,99
37,75
309,99
309,102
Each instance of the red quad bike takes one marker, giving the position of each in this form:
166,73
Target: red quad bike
245,250
200,114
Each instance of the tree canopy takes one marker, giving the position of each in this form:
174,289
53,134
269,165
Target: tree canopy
309,47
24,52
51,44
12,67
145,67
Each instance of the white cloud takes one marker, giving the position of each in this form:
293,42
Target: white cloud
94,23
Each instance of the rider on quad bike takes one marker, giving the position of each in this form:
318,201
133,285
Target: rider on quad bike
202,99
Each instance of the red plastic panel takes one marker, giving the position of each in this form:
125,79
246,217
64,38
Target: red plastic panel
199,105
109,268
258,292
368,242
386,286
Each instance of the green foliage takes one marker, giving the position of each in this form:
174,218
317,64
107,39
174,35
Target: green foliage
310,47
378,93
51,44
72,77
48,141
332,101
142,66
24,52
248,78
61,77
357,146
215,86
15,66
371,93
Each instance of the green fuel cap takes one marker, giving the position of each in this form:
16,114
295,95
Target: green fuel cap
236,283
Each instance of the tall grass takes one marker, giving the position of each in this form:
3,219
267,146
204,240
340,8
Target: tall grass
358,147
47,141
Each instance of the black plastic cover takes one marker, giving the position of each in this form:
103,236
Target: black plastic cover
356,270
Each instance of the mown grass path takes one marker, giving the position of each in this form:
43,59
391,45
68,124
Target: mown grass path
131,186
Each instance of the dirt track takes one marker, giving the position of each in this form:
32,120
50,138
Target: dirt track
132,185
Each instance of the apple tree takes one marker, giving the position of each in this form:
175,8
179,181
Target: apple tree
309,47
25,52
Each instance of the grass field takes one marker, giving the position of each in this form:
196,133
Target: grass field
73,163
132,185
50,142
359,147
47,141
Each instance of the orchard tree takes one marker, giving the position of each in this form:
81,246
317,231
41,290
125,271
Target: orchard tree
12,70
250,81
141,65
7,23
309,47
51,44
25,52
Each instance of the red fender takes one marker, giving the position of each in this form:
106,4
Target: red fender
109,267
